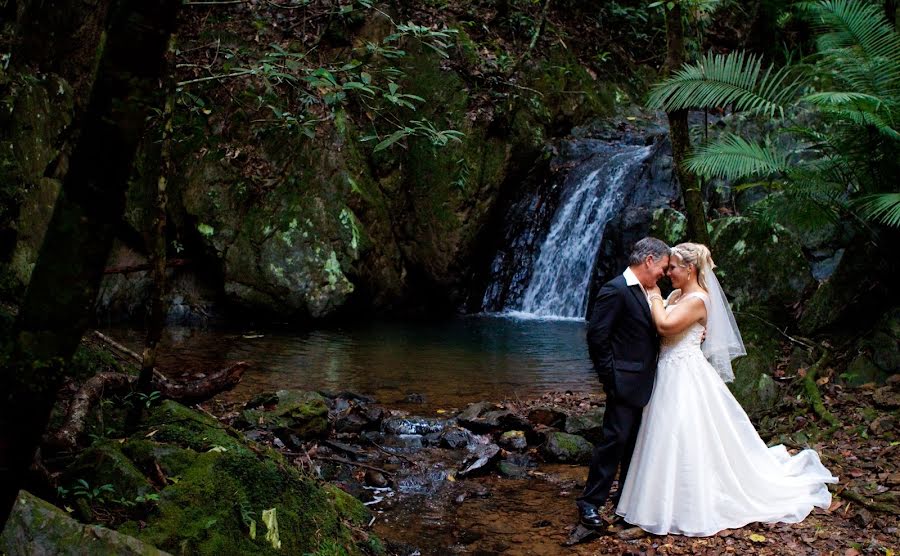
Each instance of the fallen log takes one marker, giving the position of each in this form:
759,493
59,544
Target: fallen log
193,391
201,388
91,391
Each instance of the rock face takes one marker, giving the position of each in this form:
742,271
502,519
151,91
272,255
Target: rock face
758,264
40,110
36,528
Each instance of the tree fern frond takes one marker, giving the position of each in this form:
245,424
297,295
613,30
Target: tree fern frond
862,118
844,98
733,157
717,80
881,207
851,24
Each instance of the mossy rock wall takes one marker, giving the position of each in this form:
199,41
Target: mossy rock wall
326,223
35,113
758,264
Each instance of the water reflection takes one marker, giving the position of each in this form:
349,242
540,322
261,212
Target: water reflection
450,363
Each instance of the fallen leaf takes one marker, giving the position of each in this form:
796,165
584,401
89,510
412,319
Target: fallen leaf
756,537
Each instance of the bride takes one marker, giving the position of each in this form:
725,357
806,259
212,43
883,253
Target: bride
699,466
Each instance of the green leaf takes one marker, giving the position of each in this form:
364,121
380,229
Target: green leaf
718,80
393,138
733,157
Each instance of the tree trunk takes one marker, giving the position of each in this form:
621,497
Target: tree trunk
64,284
157,317
679,136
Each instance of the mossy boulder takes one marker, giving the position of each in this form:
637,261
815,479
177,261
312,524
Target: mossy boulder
758,264
104,463
588,425
847,292
227,496
669,225
567,448
753,385
300,413
38,527
863,370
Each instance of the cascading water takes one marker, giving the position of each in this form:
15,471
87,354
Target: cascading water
558,280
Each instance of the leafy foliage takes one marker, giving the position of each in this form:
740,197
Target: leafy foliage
847,159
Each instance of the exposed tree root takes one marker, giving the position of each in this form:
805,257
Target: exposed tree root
813,395
870,502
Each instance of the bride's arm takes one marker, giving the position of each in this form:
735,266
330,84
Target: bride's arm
686,312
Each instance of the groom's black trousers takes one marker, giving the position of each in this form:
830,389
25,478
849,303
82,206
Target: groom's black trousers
621,423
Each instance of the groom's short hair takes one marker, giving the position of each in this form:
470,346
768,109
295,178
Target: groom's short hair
647,247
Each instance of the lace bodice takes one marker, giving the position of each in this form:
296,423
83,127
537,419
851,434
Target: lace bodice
688,341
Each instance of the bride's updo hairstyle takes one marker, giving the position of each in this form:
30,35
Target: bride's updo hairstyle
698,255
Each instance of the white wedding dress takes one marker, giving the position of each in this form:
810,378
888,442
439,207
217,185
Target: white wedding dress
699,466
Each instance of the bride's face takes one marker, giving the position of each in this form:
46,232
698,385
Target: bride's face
679,272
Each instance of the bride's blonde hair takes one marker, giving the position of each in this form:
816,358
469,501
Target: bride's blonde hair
698,255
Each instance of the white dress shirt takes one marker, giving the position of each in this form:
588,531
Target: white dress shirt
631,280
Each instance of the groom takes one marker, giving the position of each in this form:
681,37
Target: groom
623,346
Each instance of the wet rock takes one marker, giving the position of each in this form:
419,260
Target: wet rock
494,420
580,534
588,425
513,440
511,470
547,416
475,410
350,422
480,459
887,397
376,479
456,437
413,425
358,418
432,439
567,448
295,412
414,397
883,425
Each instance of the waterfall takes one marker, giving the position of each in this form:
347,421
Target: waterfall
558,282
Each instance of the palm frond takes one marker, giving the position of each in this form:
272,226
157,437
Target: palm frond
853,24
733,157
717,80
862,118
844,98
881,207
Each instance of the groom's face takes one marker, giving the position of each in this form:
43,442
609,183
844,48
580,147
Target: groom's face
656,269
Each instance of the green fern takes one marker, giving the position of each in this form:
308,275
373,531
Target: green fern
881,207
734,158
854,25
716,81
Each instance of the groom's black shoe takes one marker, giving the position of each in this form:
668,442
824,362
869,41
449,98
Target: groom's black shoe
589,516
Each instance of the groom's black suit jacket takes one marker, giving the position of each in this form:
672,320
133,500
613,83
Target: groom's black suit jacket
623,343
